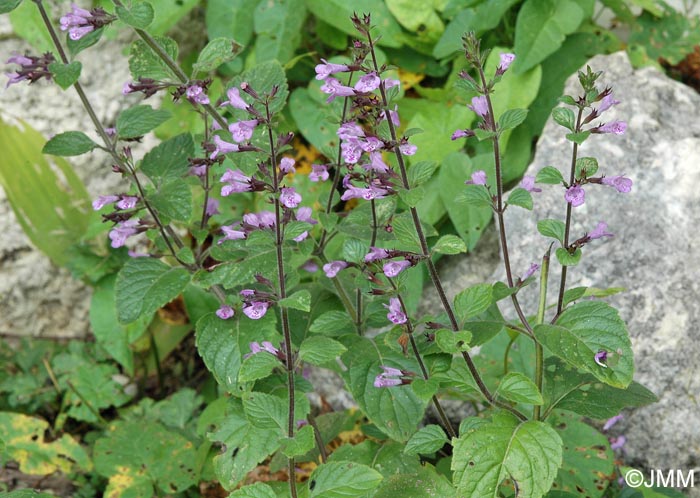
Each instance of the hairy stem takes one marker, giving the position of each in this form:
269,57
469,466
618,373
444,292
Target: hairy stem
279,240
539,352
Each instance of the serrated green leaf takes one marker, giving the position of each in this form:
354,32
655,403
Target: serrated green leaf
518,387
302,442
421,172
87,41
279,28
144,285
169,159
65,74
449,244
475,195
425,483
529,453
266,411
145,63
70,143
520,197
583,330
137,121
355,250
262,77
8,5
173,200
217,52
576,293
512,118
318,350
257,490
333,322
564,117
413,196
427,440
140,16
342,480
473,300
257,366
586,167
579,138
300,300
552,228
566,258
549,175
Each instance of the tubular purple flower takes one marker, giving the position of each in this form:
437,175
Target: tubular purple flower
601,357
373,193
256,309
289,197
531,271
234,99
242,130
393,268
600,231
396,314
331,269
32,68
617,443
287,165
376,253
267,346
350,130
103,200
391,371
127,202
480,106
371,144
310,266
351,151
230,233
528,183
222,147
304,214
394,115
461,134
376,164
247,293
477,178
389,83
319,173
607,102
622,184
263,219
616,127
381,381
368,83
123,231
612,421
324,70
334,89
225,312
212,207
575,195
196,94
408,149
506,59
236,182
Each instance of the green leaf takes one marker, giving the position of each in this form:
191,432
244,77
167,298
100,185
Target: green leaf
473,301
138,455
227,17
279,28
8,5
518,387
419,18
579,138
257,366
576,293
65,74
566,258
453,342
425,483
412,197
300,300
583,330
70,143
541,28
528,453
145,63
87,41
168,13
342,480
315,121
257,490
475,195
482,134
173,200
137,121
333,322
449,244
586,167
512,118
318,350
421,172
405,232
169,159
355,250
144,285
564,117
218,51
549,175
262,77
552,228
266,411
302,442
427,440
520,197
28,25
140,16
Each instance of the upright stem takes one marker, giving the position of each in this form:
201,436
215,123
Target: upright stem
539,352
567,227
425,252
279,240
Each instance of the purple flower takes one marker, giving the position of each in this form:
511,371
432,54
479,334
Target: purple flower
371,144
234,99
480,106
256,310
528,183
222,147
77,22
310,266
389,83
376,164
289,197
376,253
331,269
196,94
612,421
334,89
324,70
393,268
212,207
350,130
242,130
31,68
461,134
396,314
408,149
304,214
127,202
616,127
351,151
531,271
256,348
287,165
103,200
575,195
506,60
622,184
123,231
478,178
263,219
368,83
236,182
618,442
319,173
394,115
224,312
247,293
230,233
607,102
601,357
390,377
600,231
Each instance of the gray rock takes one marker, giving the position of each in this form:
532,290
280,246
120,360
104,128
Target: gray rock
654,253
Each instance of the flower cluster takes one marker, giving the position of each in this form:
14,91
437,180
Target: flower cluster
79,22
31,69
391,377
